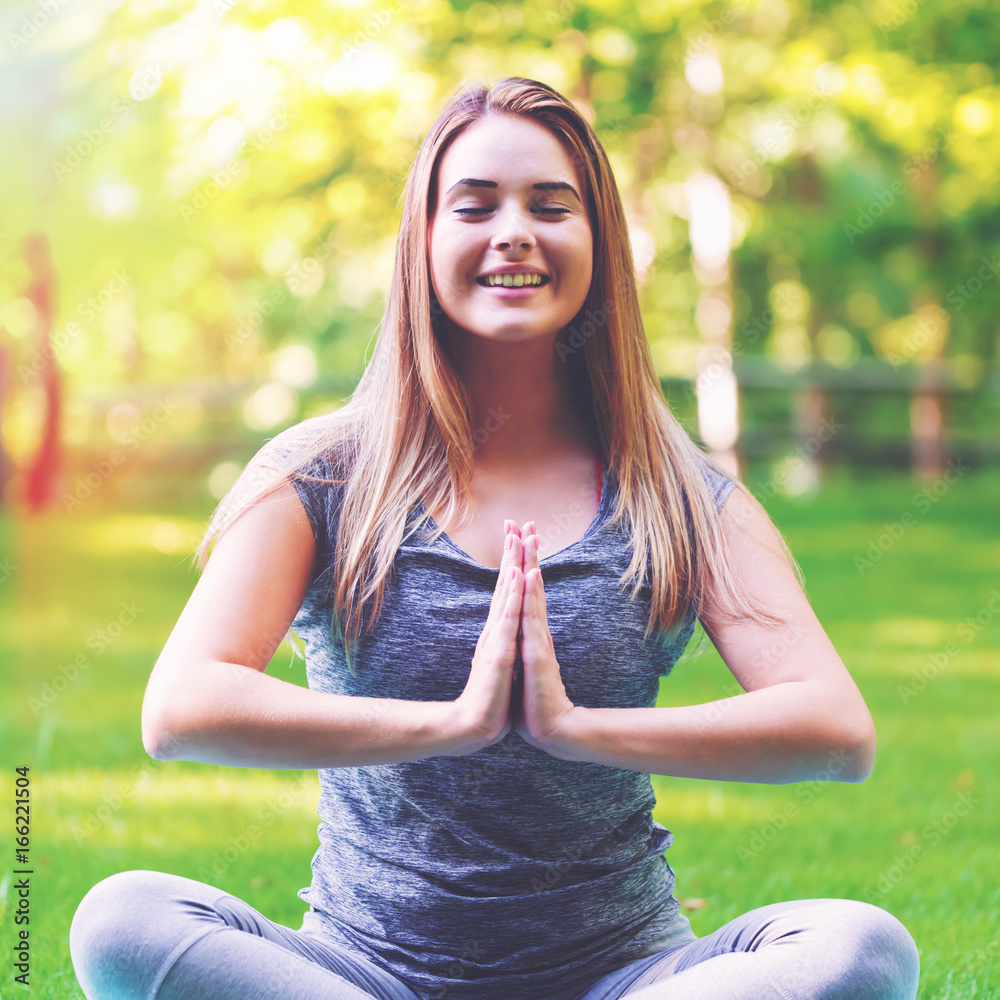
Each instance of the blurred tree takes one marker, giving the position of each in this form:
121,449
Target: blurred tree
40,490
244,165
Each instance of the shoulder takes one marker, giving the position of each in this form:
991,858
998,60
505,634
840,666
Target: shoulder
307,460
720,483
312,447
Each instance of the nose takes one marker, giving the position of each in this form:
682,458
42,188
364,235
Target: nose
522,241
512,231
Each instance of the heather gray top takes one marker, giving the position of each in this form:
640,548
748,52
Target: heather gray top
506,872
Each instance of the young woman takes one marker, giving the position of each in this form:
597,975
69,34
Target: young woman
484,742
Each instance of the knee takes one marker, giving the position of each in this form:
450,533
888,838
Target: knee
886,960
105,928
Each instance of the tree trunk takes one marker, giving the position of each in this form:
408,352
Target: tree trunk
40,489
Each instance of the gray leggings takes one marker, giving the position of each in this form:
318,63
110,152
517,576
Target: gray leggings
148,935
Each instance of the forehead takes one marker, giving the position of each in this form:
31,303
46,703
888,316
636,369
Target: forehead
508,150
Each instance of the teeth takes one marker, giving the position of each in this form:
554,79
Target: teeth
513,280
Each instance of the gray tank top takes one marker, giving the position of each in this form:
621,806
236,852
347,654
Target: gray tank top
506,872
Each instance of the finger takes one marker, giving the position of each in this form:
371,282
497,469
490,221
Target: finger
503,577
510,619
530,559
524,533
512,558
500,588
536,589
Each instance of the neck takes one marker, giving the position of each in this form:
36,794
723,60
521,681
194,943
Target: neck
522,400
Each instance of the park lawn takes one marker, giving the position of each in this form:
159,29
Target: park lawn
917,838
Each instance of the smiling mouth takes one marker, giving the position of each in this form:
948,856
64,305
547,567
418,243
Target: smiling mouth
512,280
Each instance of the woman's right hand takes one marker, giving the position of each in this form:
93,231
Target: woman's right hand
485,702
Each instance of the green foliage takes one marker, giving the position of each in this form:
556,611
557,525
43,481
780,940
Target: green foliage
243,163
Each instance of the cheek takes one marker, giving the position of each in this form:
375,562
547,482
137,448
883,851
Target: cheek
453,261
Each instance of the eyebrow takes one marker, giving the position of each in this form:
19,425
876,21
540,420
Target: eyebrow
540,186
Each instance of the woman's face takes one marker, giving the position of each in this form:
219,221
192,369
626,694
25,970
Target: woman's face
507,222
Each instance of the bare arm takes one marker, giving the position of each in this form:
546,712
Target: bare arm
208,698
801,716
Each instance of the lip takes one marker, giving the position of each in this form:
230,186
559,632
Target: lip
503,292
512,269
522,292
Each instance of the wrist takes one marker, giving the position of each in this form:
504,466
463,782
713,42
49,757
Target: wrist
565,740
465,732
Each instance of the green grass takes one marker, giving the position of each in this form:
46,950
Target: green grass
100,805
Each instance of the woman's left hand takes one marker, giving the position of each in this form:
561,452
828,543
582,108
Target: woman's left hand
544,702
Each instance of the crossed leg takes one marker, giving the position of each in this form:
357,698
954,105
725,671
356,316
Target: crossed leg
149,935
802,949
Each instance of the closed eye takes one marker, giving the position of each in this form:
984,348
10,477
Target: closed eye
482,211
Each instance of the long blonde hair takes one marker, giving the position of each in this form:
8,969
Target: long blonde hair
406,431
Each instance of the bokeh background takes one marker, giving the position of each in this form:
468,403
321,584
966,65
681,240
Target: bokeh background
198,209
